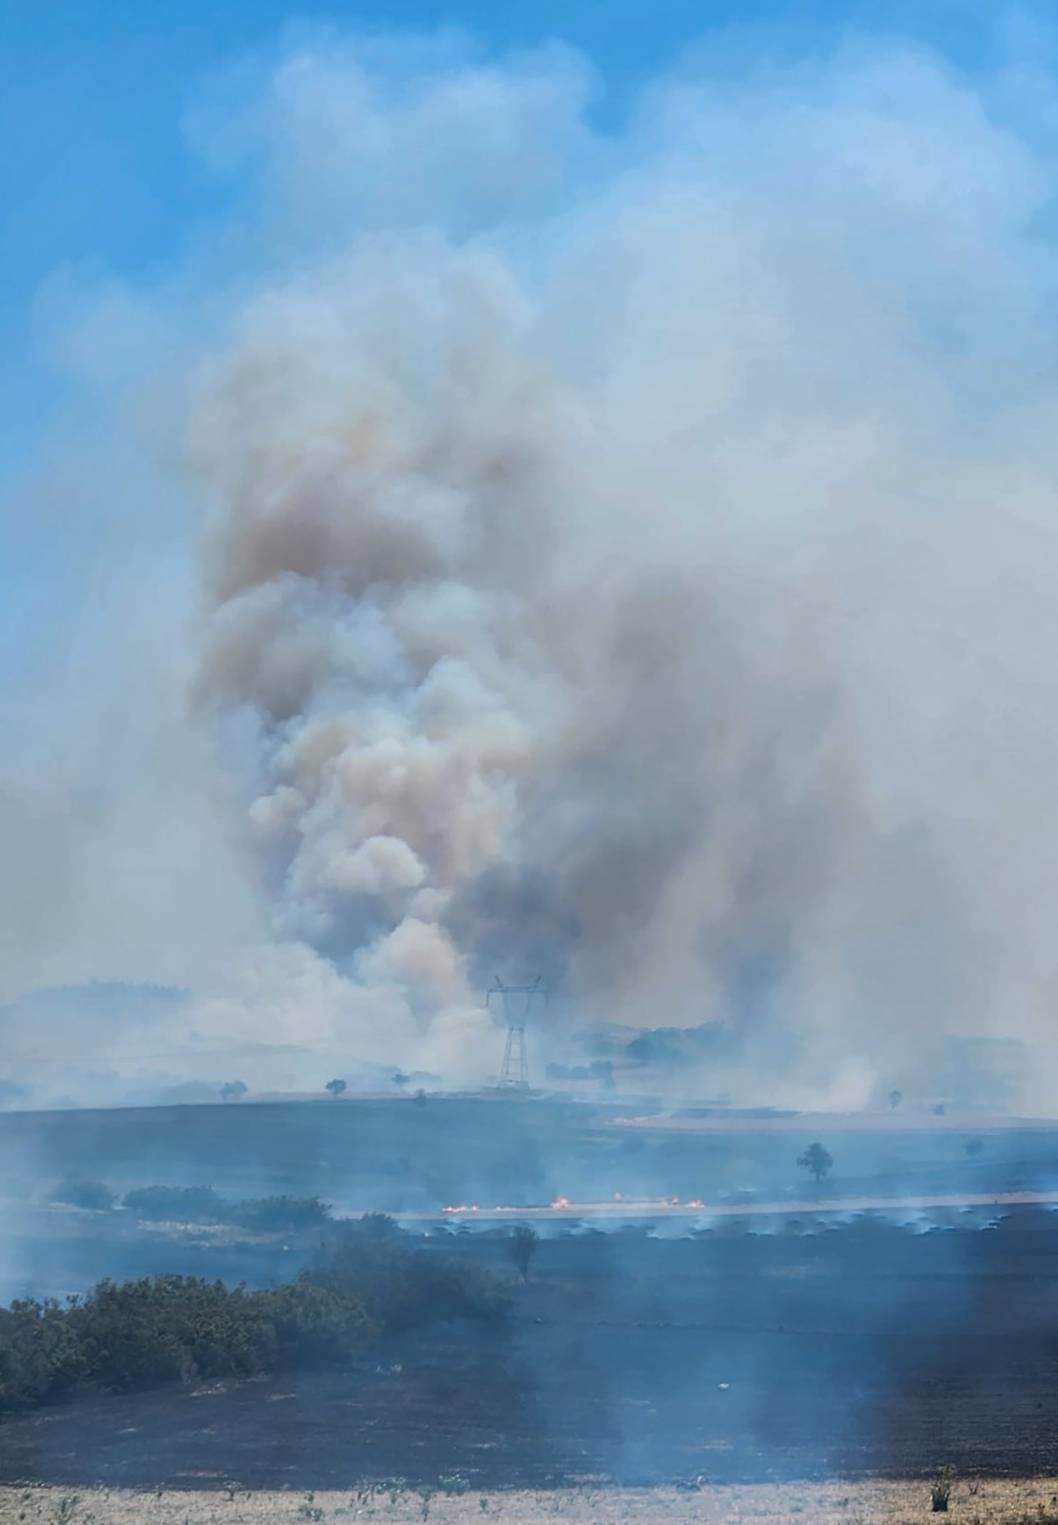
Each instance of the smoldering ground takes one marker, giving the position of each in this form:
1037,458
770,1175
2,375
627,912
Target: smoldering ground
865,1350
806,1339
620,554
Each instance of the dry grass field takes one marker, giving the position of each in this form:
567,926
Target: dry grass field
1003,1502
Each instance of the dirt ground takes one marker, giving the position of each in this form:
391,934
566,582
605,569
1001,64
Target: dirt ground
1006,1502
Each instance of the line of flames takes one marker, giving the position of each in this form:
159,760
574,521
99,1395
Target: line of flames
563,1204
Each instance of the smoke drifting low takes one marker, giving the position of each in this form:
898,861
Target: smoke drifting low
629,552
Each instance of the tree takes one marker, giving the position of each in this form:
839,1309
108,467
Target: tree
522,1247
817,1160
233,1090
336,1087
895,1098
973,1147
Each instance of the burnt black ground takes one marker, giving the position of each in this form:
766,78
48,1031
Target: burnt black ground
814,1352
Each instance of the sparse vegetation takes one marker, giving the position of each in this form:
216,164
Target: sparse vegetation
233,1090
453,1484
336,1087
887,1502
940,1492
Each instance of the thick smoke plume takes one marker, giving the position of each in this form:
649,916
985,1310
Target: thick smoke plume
630,552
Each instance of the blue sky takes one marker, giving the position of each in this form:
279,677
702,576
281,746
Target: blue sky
96,177
98,183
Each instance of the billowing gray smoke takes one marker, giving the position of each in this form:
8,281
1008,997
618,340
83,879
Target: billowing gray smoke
507,706
568,561
631,553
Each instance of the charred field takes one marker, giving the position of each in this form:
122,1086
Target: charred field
777,1346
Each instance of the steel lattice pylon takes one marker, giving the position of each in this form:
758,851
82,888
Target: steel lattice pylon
517,1000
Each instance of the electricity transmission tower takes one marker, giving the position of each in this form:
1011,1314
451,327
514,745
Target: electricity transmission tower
517,1001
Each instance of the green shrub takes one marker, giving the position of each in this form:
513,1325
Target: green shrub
315,1325
168,1328
403,1288
40,1355
162,1329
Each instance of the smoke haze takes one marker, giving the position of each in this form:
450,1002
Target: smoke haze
621,553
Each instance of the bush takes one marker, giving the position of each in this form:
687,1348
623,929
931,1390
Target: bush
315,1325
177,1204
172,1328
402,1288
201,1204
281,1214
91,1194
168,1328
163,1329
40,1355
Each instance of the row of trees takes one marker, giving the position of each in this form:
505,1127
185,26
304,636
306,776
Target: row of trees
235,1090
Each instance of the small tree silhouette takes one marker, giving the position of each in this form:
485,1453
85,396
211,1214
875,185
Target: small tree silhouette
233,1090
522,1247
816,1159
336,1087
895,1098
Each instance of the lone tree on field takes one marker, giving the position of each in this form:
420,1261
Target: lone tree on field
895,1098
336,1087
522,1248
233,1090
817,1160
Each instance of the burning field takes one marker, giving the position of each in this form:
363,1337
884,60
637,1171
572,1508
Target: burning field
754,1352
571,578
